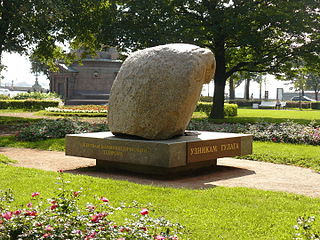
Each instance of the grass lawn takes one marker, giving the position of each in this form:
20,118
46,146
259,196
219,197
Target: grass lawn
215,213
56,144
275,116
285,153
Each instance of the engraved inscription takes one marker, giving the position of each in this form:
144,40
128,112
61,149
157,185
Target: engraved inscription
114,150
213,149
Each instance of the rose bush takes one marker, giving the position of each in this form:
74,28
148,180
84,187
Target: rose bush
61,217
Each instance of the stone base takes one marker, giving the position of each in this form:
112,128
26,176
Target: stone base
144,169
195,150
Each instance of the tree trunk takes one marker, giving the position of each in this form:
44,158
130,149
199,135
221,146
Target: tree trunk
246,89
316,92
231,89
217,111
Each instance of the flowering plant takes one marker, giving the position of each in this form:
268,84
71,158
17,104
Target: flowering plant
61,217
58,128
286,132
79,109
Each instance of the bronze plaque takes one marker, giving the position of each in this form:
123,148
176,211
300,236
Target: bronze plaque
212,149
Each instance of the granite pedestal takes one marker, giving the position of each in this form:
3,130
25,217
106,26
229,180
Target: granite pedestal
190,152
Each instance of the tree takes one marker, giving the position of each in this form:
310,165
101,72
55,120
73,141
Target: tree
42,25
245,35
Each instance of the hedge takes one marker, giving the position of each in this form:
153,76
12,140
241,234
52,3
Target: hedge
230,110
315,105
244,102
28,104
296,104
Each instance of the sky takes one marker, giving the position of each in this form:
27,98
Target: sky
18,71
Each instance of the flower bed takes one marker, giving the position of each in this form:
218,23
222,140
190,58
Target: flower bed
79,109
286,132
58,128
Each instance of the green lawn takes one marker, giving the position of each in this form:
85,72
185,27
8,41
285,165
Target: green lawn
275,116
214,213
48,144
284,153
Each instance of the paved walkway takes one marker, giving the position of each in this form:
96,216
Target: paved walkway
230,172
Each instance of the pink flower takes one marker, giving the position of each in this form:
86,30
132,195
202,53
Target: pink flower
29,205
159,237
35,194
144,211
274,139
48,228
54,206
31,213
46,235
17,212
103,199
7,215
76,194
90,207
121,239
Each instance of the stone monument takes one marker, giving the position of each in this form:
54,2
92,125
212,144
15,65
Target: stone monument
151,103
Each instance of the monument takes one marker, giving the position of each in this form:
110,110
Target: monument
151,103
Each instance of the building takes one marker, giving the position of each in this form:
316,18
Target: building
88,82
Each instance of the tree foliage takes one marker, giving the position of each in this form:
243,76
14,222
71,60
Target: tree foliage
43,25
245,35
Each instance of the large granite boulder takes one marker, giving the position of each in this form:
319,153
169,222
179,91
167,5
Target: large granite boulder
157,89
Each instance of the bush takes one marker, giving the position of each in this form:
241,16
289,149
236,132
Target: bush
28,104
58,128
62,217
315,105
36,95
230,110
206,99
244,102
4,97
296,104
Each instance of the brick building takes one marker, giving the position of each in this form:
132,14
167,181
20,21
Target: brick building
89,82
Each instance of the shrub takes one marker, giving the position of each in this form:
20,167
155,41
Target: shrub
206,99
315,105
4,97
62,217
58,128
28,104
230,110
296,104
36,95
244,102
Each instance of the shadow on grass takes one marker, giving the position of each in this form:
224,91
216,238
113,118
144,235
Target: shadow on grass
195,180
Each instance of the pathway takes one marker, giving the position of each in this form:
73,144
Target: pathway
231,173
